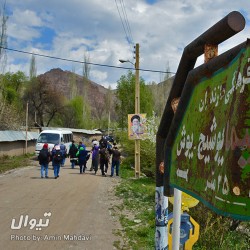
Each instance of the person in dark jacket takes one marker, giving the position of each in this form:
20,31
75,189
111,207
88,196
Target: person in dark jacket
103,141
82,159
44,157
72,154
57,160
104,159
64,153
116,159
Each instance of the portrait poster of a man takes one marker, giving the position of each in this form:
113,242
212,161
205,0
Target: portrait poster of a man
136,126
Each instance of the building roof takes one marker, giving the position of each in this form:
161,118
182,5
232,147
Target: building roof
11,135
76,130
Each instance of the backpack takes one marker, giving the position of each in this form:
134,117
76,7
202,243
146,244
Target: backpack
106,154
73,150
43,155
63,149
58,157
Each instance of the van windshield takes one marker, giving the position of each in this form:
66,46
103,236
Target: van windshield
49,138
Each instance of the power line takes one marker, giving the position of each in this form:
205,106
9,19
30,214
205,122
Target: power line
126,20
76,61
125,24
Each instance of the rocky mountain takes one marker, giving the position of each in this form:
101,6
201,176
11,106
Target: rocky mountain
99,97
72,84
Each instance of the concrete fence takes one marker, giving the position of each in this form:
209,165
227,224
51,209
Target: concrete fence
16,148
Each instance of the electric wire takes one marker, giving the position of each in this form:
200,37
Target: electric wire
126,21
76,61
125,24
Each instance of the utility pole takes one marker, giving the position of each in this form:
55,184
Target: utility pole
26,139
137,110
137,107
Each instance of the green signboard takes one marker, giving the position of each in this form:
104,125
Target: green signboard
210,155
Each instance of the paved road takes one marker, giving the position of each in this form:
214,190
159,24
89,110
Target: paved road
74,210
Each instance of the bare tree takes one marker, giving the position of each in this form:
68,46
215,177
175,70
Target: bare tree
33,70
167,74
86,66
3,38
85,79
44,99
73,85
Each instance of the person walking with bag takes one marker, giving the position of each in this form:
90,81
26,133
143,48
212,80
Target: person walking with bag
44,158
104,159
64,153
82,159
95,156
72,154
57,160
116,159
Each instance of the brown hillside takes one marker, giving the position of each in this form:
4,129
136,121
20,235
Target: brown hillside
93,93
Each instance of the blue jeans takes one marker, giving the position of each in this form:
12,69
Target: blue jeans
56,169
73,164
63,161
82,166
115,166
44,167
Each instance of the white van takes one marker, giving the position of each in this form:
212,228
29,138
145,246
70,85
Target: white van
53,137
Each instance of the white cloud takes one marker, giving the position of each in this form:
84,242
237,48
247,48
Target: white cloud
162,29
23,25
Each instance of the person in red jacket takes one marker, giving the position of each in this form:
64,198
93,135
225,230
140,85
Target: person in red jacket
44,157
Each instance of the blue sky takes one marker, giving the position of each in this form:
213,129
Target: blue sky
73,28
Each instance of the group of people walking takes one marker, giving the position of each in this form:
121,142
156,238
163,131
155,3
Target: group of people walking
57,156
79,155
101,154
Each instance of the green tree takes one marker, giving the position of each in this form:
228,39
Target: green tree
72,115
125,94
11,91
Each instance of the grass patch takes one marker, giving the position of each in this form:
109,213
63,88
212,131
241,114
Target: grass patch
137,210
12,162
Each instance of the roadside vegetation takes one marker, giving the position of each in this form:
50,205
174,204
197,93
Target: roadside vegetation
12,162
137,215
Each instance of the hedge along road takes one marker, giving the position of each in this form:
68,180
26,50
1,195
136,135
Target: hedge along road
70,212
